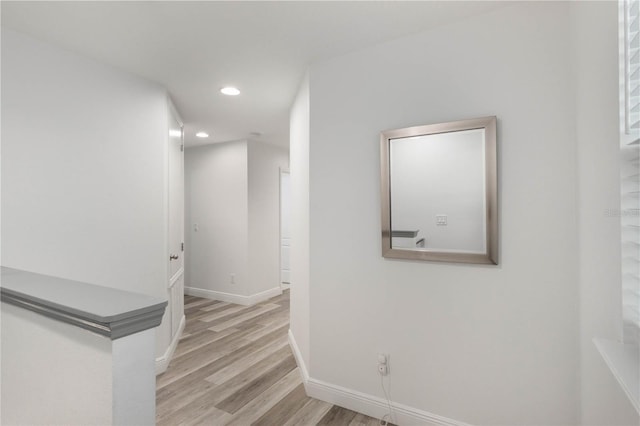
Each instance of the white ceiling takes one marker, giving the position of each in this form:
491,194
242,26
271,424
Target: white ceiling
194,48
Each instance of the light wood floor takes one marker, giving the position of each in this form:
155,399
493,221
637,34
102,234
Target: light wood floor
233,366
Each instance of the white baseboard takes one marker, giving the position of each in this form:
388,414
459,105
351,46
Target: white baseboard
163,362
364,403
233,298
374,406
298,356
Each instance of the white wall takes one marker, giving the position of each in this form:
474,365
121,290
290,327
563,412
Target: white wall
59,374
481,344
232,195
83,170
217,203
63,374
265,162
595,37
300,209
134,379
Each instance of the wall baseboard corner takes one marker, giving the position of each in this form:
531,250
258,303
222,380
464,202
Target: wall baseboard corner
298,356
265,295
234,298
364,403
163,362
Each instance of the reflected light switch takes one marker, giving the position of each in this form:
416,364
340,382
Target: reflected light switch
441,219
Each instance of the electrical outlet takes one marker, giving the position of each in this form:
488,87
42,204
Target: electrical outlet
383,364
232,278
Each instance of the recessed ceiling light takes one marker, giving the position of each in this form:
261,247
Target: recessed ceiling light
230,91
202,135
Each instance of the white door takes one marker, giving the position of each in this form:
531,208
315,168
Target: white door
175,257
285,231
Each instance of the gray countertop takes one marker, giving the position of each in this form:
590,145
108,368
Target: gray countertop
107,311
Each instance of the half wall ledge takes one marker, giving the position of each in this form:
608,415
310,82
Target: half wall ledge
106,311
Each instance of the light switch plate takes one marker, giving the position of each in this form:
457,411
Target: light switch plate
441,219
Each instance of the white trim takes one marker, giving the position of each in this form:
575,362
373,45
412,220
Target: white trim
176,277
234,298
282,170
622,360
364,403
163,362
374,406
298,356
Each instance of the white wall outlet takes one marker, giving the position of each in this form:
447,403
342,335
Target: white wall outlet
232,278
195,227
383,364
441,220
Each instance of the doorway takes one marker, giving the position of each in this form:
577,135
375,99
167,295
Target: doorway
285,228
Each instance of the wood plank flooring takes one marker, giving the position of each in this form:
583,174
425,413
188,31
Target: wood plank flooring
233,366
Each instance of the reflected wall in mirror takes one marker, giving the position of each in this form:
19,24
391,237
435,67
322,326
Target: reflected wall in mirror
439,192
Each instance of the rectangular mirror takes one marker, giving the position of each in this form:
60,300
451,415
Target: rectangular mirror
439,192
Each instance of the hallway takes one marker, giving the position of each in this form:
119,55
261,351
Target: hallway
233,366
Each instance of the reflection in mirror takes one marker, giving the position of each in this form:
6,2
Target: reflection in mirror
425,173
439,192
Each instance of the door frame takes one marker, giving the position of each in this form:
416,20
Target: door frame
172,278
281,171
